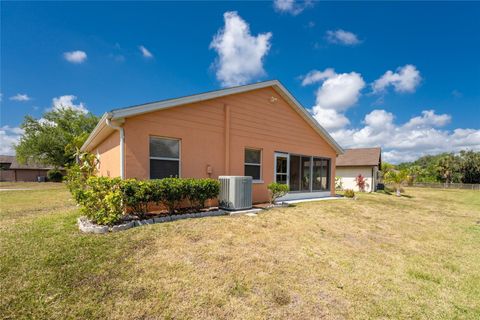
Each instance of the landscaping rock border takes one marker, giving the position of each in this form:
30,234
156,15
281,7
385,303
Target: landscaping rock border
87,226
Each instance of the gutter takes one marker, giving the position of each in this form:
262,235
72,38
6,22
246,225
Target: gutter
108,122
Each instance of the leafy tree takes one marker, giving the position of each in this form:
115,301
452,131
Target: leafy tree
396,177
448,168
470,166
56,138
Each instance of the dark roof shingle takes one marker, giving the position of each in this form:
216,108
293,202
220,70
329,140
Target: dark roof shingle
27,166
360,157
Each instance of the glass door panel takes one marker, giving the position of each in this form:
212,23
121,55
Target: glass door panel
281,168
317,174
294,175
306,174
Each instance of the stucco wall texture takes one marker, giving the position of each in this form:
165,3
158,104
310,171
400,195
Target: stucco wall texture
348,175
215,133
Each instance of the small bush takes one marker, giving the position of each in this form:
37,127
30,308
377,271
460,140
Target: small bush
277,190
170,192
360,180
349,193
137,195
200,190
102,200
55,175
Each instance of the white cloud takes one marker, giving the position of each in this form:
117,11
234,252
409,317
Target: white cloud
340,91
145,52
342,37
428,119
20,97
405,79
240,55
330,119
317,76
9,137
77,56
291,6
406,142
337,93
67,102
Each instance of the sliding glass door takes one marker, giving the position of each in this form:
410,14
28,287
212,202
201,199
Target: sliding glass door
302,173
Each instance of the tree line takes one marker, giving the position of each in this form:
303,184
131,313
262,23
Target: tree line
462,167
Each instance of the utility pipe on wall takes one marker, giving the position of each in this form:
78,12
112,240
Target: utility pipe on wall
109,123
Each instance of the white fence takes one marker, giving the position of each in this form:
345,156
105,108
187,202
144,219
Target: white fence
466,186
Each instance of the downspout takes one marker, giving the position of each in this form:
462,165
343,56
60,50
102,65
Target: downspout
108,121
227,138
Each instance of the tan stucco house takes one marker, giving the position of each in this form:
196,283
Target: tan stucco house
364,161
257,130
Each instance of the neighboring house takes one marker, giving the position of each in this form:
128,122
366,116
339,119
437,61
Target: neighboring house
364,161
256,130
11,170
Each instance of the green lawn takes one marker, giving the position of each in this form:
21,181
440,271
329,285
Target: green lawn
380,256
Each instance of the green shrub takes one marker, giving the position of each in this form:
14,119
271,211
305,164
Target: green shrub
204,189
171,192
54,175
349,193
137,195
102,200
277,190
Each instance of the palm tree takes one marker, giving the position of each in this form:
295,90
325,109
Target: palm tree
396,178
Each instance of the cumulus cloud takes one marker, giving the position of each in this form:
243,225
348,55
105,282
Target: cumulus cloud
240,54
404,79
428,119
77,56
418,136
342,37
317,76
291,6
9,137
66,101
336,94
20,97
145,52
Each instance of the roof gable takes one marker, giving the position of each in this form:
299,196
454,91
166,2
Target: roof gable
101,131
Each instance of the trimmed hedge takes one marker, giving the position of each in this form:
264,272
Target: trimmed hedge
105,200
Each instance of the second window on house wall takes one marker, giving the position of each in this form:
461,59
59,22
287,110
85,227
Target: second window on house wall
253,163
164,158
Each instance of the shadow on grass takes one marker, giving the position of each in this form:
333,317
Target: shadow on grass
389,193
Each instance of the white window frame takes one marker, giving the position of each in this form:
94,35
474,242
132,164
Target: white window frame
254,164
282,155
166,158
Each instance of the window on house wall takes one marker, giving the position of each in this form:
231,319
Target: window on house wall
164,158
253,163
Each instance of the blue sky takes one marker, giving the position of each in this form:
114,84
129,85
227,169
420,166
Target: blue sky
402,75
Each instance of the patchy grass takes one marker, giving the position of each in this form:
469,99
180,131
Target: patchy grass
376,257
